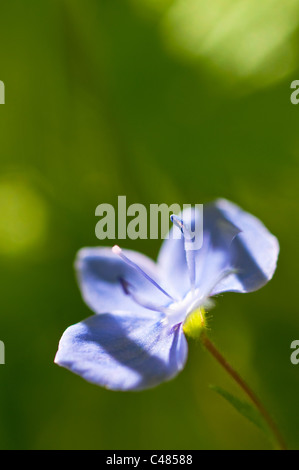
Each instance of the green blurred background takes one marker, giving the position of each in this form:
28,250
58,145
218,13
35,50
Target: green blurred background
162,101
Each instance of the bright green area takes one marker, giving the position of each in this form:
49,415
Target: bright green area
107,98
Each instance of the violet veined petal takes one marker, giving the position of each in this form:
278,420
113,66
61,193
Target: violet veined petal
123,351
210,260
100,272
232,240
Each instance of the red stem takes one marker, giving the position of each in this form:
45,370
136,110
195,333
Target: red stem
246,389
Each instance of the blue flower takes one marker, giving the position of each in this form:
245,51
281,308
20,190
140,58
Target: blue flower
136,339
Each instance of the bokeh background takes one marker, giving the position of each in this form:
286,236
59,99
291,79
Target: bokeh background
162,101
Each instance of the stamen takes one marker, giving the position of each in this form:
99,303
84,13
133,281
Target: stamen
118,251
184,228
143,303
188,239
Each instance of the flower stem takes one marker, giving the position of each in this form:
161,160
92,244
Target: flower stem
207,343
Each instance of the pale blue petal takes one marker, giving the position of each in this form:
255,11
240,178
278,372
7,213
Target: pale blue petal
232,240
253,252
122,351
99,272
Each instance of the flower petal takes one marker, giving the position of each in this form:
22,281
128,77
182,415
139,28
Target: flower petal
123,352
253,252
232,240
99,273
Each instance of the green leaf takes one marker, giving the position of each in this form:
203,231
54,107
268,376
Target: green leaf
245,409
